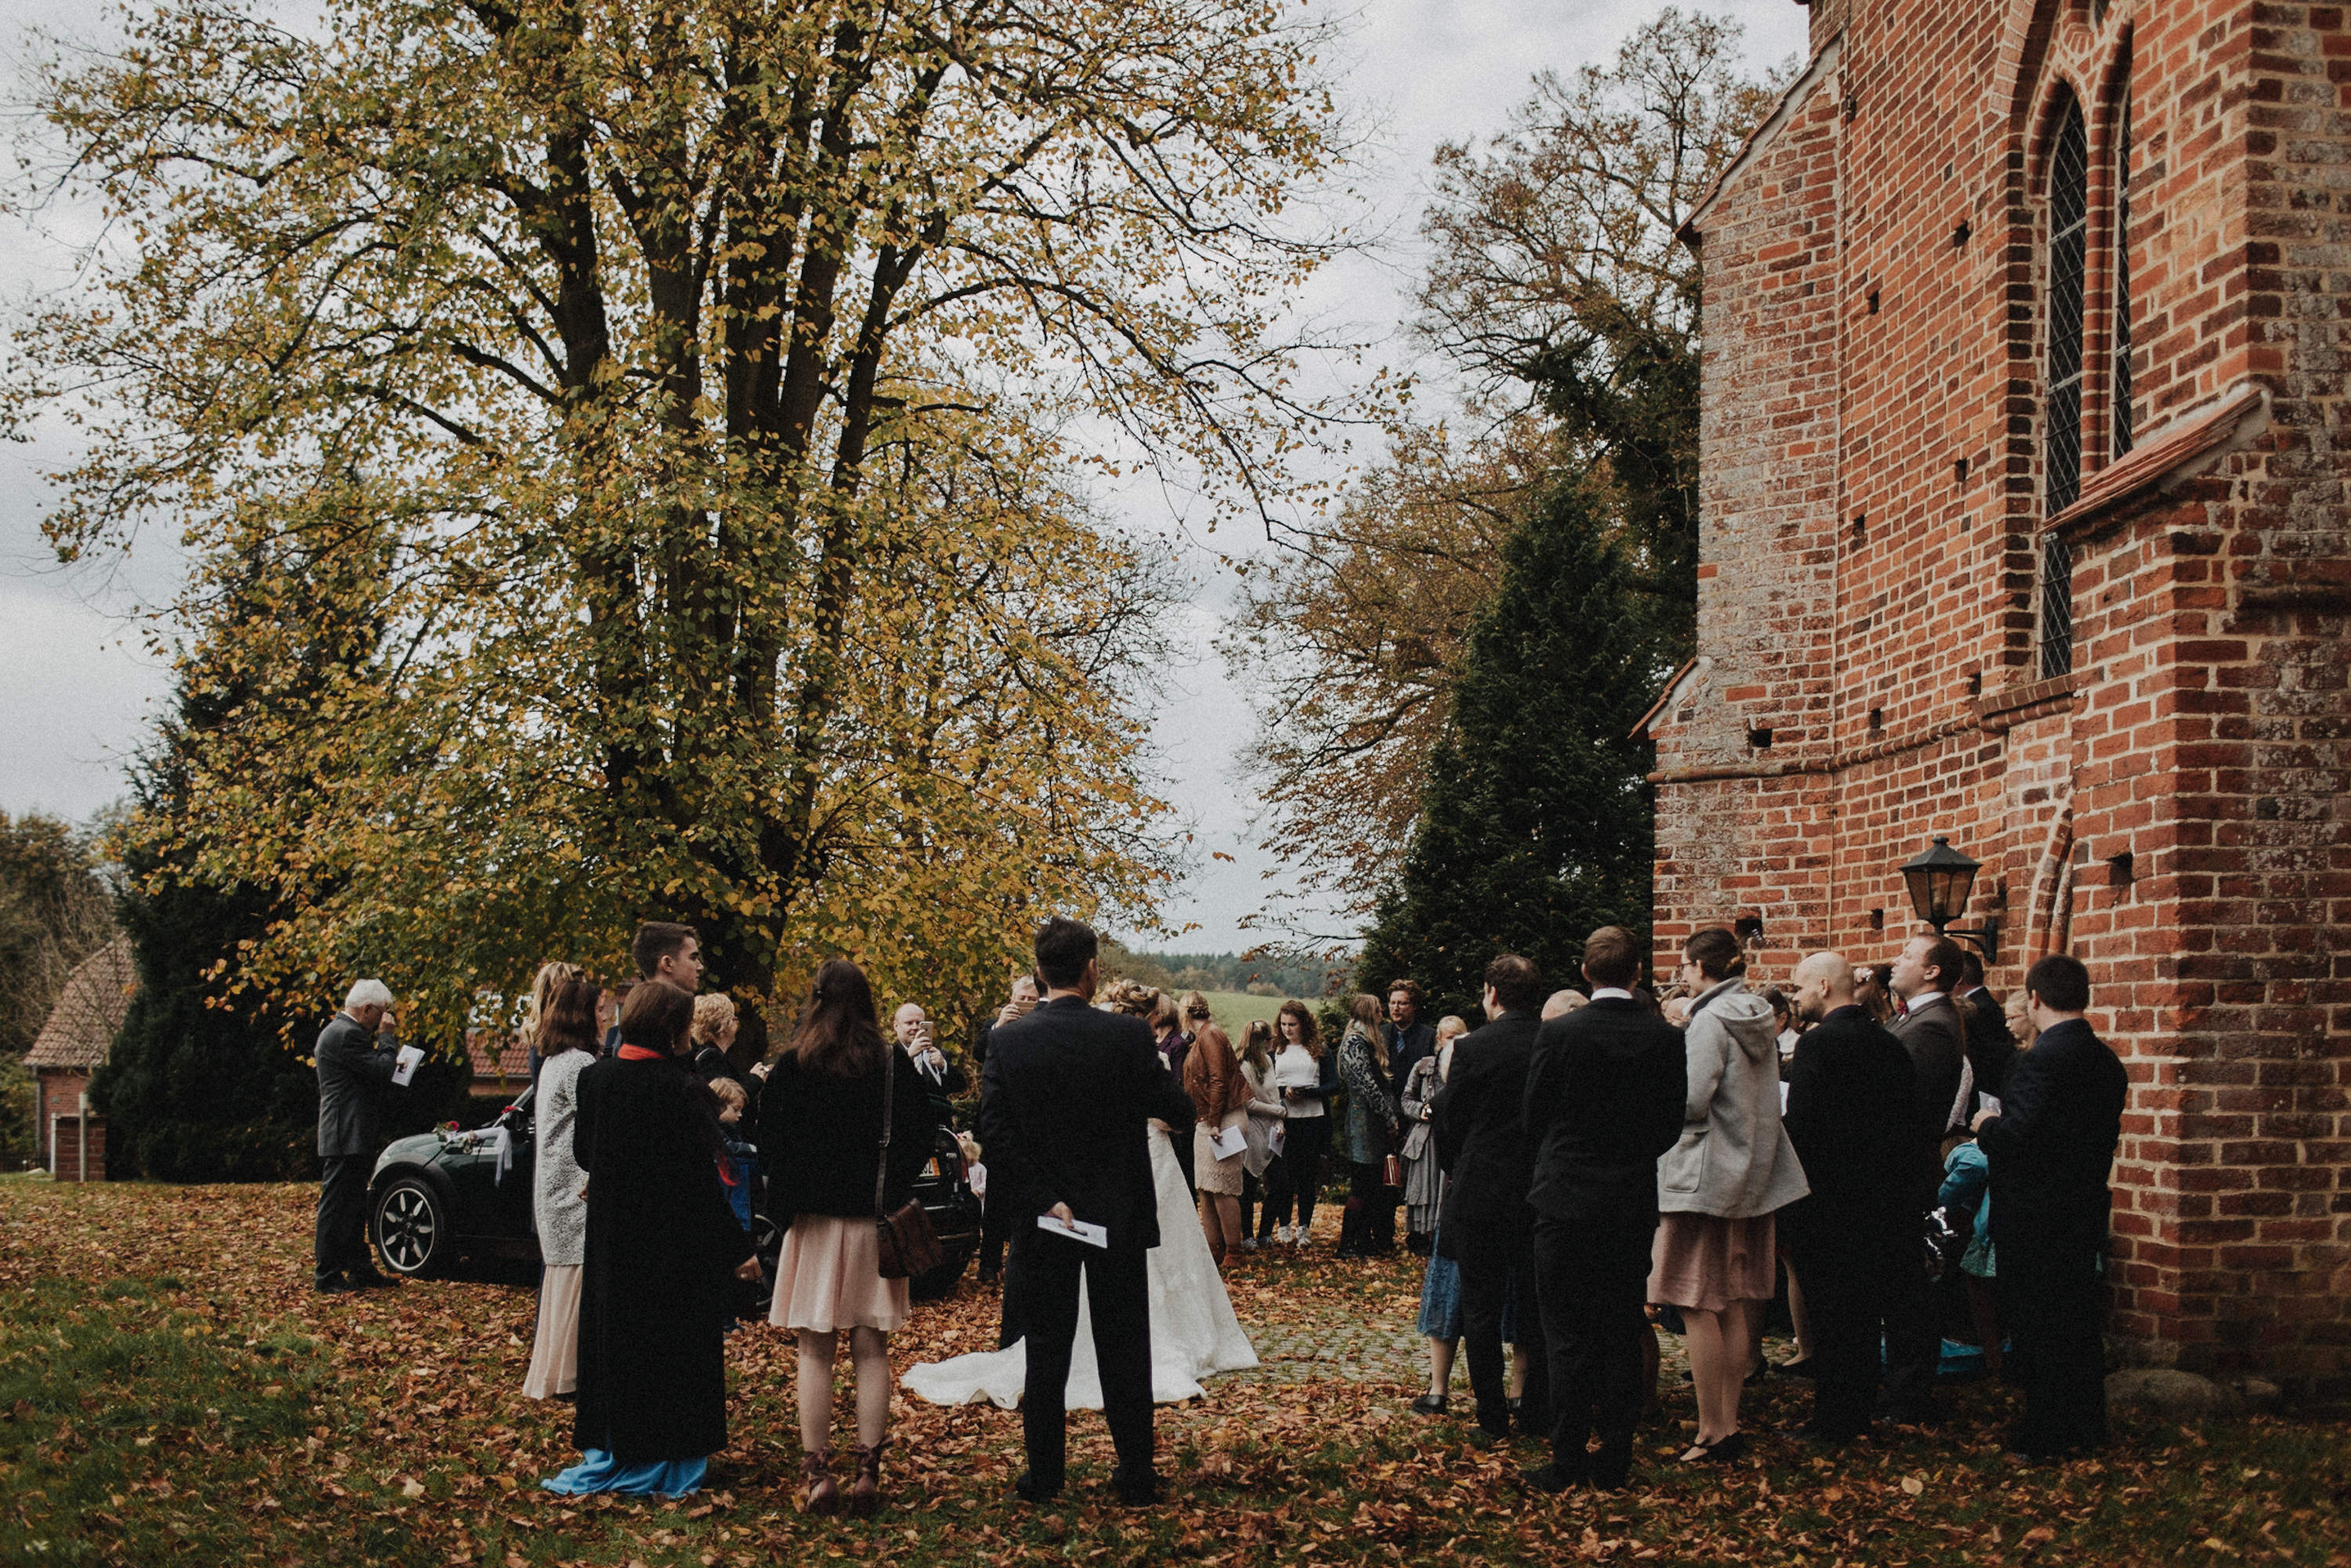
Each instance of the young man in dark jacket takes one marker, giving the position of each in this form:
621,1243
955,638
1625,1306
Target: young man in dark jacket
1991,1049
2050,1147
1851,1237
1485,1225
1603,1099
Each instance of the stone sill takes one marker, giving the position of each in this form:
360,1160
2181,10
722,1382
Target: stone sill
2010,700
2170,452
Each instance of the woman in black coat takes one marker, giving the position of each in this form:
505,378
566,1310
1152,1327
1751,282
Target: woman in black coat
820,1139
660,1244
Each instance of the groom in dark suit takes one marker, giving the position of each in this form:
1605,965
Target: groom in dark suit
1064,1098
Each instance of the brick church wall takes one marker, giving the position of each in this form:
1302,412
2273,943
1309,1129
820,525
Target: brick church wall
2173,811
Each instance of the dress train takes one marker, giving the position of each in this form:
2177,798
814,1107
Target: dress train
1194,1332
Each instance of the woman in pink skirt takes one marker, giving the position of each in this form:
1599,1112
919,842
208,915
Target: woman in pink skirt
1719,1185
820,1137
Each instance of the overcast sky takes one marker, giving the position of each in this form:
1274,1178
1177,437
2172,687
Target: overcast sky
78,687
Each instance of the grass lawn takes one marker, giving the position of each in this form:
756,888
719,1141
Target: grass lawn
172,1392
1234,1010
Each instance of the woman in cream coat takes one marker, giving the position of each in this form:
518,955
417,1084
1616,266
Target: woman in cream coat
1719,1187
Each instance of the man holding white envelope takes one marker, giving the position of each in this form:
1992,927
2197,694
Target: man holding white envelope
1065,1097
358,1057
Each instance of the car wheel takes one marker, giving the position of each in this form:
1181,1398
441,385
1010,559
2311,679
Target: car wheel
767,1243
411,1229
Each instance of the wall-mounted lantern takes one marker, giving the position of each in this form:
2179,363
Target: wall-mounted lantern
1939,879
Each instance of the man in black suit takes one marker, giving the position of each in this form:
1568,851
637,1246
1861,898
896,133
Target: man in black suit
2051,1146
1486,1224
1991,1049
1850,1090
1604,1098
356,1055
1925,971
1064,1099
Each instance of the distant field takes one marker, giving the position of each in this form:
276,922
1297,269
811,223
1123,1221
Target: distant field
1233,1010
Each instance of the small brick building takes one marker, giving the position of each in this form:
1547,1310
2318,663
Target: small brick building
2024,514
74,1043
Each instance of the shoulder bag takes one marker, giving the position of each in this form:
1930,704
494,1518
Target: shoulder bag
908,1244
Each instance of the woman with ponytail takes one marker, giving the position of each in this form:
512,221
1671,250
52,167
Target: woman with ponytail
1719,1187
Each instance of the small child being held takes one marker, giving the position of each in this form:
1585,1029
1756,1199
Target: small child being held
738,1159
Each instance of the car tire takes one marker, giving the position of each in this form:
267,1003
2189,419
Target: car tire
411,1229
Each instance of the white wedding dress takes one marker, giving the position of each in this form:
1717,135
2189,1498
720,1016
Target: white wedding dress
1193,1333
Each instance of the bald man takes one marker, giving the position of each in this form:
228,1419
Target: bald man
1852,1098
1561,1003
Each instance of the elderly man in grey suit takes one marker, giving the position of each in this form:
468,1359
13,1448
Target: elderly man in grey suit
357,1053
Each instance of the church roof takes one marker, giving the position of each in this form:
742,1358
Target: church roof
81,1026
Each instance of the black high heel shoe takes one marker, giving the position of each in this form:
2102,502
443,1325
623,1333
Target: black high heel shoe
1717,1452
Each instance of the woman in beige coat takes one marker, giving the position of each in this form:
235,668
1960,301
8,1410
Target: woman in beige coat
1719,1187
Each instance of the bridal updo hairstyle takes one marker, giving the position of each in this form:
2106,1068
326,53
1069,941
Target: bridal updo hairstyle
1716,952
837,1033
1133,999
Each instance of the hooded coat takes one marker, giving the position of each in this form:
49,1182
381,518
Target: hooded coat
1733,1160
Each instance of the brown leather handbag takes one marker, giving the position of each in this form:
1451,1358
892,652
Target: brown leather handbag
908,1243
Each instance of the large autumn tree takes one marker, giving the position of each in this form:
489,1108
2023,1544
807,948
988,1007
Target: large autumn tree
703,373
1558,294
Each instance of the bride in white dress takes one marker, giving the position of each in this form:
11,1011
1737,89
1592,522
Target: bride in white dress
1193,1333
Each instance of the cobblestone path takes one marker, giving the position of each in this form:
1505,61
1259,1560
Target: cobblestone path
1316,1318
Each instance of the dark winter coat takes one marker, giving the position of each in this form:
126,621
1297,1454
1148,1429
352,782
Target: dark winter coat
820,1137
2053,1143
1850,1089
655,1292
1479,1126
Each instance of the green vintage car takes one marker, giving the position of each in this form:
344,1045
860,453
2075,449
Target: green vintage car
450,1193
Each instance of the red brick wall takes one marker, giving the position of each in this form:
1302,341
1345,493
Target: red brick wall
2204,732
69,1164
57,1092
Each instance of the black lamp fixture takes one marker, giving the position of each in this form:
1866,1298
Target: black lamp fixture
1939,879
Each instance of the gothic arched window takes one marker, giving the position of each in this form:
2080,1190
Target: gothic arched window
2120,384
2060,405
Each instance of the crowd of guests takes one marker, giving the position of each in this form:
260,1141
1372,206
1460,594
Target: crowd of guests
1580,1165
642,1204
1611,1158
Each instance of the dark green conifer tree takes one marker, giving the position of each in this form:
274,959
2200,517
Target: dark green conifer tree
1536,823
203,1083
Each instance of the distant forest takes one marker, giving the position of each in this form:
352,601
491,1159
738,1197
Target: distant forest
1269,976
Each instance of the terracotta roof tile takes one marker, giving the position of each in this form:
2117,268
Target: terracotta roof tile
89,1011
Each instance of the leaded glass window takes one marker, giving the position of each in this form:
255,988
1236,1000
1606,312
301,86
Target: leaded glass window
2122,368
2069,228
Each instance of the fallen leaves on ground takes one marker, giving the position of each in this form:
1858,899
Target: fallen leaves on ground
387,1427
